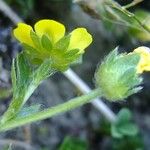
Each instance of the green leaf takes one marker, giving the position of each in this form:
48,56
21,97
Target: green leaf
22,68
112,55
43,71
79,60
129,61
73,144
13,75
123,125
135,90
115,133
128,129
35,39
46,43
71,53
5,93
131,143
63,43
25,79
123,116
132,79
29,49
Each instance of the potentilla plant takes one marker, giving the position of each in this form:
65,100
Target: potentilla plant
47,50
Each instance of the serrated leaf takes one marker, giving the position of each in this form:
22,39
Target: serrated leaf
28,79
46,43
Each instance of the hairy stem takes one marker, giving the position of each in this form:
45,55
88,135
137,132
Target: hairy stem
61,108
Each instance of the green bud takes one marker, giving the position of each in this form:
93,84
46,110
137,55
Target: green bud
117,75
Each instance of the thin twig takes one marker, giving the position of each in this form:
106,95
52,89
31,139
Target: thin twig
129,14
120,8
9,12
133,3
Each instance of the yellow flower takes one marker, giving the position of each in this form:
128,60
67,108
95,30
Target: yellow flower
80,38
144,63
48,41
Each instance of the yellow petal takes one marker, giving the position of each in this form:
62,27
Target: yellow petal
22,33
144,63
53,29
80,39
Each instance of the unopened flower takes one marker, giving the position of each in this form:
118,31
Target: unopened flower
48,41
118,76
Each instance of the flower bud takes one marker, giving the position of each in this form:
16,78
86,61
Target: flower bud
117,76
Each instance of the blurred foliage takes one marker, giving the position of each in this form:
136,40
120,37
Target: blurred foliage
24,7
128,139
32,9
128,143
123,125
144,17
7,147
4,93
71,143
113,15
123,134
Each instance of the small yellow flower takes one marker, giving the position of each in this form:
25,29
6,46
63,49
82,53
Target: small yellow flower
144,63
80,38
48,40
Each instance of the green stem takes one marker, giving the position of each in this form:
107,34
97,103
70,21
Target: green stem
61,108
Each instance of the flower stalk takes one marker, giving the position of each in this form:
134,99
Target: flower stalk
47,113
